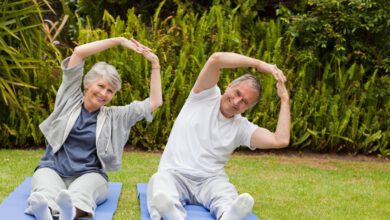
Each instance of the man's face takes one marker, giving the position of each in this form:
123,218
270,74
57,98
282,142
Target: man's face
237,98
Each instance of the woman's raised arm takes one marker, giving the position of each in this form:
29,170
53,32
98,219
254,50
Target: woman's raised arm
83,51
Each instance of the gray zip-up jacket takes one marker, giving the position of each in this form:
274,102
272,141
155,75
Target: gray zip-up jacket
113,123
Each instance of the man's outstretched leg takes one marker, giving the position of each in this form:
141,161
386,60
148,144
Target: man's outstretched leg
221,197
163,198
240,208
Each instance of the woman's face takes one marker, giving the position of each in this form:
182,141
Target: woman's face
97,94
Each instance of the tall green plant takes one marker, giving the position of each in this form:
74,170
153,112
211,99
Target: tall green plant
25,58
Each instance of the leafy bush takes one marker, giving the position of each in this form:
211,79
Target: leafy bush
354,31
339,102
333,107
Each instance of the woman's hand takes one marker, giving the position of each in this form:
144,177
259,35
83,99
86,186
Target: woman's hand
152,58
155,78
136,46
147,53
282,90
133,45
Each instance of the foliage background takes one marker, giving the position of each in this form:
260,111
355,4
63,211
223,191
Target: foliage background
335,55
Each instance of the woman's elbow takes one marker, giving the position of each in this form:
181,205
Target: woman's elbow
77,52
159,103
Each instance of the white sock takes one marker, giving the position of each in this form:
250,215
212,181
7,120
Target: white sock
166,207
64,202
39,206
240,208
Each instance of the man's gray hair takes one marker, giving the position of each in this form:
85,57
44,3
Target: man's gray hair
103,70
253,82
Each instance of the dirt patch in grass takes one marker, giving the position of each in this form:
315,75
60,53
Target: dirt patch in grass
291,153
323,164
323,161
317,156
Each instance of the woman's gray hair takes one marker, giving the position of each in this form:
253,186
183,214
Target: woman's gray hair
253,82
103,70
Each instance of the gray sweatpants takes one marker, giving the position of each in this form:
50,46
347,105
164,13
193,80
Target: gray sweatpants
86,191
215,193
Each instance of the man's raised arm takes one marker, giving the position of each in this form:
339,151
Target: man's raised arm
265,139
209,75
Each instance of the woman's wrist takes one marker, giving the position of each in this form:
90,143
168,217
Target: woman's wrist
285,98
156,65
122,40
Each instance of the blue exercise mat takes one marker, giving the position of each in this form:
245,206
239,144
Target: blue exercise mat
193,211
14,205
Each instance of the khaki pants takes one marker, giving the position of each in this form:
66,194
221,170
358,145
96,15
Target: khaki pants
87,191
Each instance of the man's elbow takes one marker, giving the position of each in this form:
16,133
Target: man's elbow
215,57
283,143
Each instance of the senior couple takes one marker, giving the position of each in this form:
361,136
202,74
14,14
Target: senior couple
85,138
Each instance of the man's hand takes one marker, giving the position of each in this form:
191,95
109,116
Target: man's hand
278,74
272,69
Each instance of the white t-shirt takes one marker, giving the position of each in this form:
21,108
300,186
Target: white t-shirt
202,139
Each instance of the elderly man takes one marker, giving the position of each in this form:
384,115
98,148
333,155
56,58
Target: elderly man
206,132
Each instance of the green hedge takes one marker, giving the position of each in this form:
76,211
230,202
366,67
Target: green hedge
337,104
26,83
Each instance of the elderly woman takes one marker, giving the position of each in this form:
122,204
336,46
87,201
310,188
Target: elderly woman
84,137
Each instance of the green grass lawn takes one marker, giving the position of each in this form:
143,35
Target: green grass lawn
283,186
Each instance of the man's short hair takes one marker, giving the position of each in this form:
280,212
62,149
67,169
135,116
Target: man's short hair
253,82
